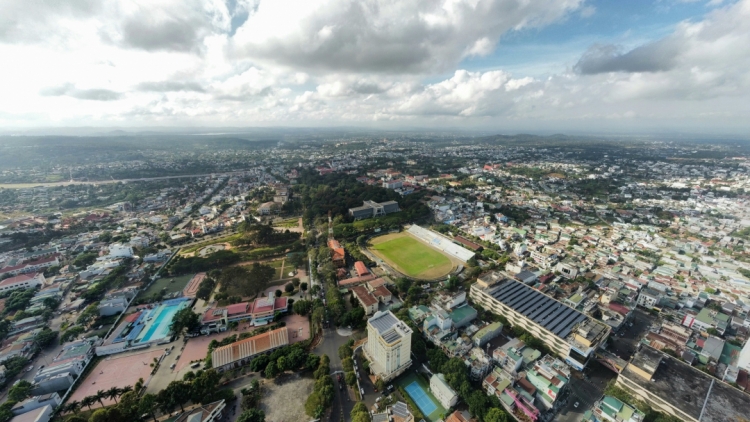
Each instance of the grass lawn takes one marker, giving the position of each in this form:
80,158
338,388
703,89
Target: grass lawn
172,284
411,257
289,223
408,378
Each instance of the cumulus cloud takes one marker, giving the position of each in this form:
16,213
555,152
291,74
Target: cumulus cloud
654,57
170,86
345,61
95,94
388,35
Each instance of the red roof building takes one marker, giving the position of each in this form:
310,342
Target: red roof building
360,268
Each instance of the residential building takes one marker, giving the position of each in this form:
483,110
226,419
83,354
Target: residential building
23,281
563,329
373,209
388,346
649,298
707,318
442,391
487,333
338,254
610,409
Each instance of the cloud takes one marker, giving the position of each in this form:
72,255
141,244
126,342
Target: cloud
170,86
23,21
96,94
387,36
655,57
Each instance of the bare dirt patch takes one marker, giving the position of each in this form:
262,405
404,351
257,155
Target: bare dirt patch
283,398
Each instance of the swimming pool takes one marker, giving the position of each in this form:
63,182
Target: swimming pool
159,320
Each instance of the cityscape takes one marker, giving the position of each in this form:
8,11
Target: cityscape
375,211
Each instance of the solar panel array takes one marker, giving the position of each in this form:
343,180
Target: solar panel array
400,409
538,307
383,322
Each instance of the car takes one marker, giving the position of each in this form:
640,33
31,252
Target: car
195,365
41,366
29,368
576,405
172,366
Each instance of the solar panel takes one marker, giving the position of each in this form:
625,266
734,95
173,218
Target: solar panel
399,409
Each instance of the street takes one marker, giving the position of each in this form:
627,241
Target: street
329,345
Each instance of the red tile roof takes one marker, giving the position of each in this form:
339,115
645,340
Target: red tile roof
239,308
363,295
17,279
361,269
382,291
356,280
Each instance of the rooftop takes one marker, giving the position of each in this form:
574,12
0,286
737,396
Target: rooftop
536,306
688,388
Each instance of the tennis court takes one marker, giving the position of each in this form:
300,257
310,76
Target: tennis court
419,396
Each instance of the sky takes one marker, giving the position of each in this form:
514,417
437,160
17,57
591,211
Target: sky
593,66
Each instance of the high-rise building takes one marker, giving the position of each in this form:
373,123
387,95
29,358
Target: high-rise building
388,346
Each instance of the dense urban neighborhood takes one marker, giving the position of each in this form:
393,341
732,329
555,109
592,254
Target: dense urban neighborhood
372,278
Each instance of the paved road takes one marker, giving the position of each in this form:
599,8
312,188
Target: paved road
329,345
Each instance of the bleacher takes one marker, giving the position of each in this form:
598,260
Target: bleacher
441,243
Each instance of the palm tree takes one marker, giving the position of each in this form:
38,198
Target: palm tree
126,389
113,393
74,406
88,401
99,396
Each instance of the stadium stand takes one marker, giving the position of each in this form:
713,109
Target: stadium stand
441,243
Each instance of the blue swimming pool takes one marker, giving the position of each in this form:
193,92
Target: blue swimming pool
159,320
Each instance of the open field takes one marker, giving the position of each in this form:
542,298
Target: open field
411,256
172,284
283,397
116,371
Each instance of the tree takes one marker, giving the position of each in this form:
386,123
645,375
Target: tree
496,415
100,396
302,307
147,405
252,415
88,401
278,293
271,370
295,282
312,361
478,403
303,287
89,314
185,320
351,378
289,287
380,384
113,393
20,391
348,364
75,418
74,406
45,338
205,289
100,415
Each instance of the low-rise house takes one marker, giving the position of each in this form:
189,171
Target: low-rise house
442,391
205,413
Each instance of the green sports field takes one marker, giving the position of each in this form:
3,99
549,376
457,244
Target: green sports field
411,256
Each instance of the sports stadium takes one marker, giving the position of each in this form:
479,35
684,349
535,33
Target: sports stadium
420,253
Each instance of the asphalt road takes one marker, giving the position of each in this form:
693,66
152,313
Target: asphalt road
329,345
